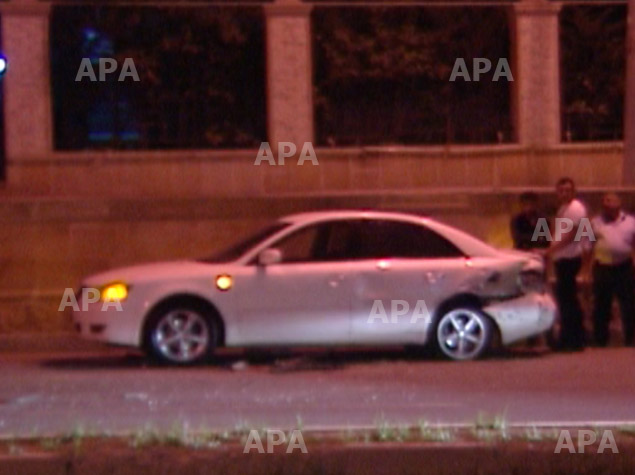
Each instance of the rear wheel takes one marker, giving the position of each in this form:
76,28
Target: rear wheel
464,333
181,334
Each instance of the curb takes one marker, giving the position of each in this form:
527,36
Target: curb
57,342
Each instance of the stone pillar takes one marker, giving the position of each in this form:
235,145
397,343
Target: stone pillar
628,165
289,73
536,59
27,83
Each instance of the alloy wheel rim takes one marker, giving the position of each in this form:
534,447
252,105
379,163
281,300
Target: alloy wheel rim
461,333
181,335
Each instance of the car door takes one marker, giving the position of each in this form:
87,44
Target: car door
304,299
403,273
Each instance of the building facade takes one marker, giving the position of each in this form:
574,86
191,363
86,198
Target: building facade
69,213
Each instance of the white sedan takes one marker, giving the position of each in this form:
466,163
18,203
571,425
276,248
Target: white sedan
325,278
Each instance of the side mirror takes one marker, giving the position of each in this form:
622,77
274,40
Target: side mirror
269,257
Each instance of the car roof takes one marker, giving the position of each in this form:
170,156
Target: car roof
313,216
469,244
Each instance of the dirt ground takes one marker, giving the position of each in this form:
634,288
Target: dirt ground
118,457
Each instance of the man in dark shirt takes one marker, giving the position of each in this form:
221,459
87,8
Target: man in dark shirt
523,225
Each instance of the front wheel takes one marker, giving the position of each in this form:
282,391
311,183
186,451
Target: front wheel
181,334
464,333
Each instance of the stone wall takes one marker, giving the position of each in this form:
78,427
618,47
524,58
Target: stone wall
65,215
64,218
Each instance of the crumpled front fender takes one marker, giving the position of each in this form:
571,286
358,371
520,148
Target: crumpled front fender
522,317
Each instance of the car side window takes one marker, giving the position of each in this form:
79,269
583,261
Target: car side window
330,241
299,246
387,238
339,241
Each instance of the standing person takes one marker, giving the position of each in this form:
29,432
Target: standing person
523,225
566,252
614,231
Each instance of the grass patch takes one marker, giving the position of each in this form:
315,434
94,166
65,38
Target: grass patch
434,434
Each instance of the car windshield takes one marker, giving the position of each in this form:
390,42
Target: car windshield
236,250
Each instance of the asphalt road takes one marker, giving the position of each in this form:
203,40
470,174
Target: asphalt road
116,391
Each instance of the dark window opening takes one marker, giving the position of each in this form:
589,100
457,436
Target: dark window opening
593,39
200,70
382,75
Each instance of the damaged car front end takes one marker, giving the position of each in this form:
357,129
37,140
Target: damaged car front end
528,308
509,289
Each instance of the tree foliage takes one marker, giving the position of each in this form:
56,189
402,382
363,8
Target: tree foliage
201,76
593,71
382,75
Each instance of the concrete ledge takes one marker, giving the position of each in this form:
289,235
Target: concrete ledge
331,152
355,170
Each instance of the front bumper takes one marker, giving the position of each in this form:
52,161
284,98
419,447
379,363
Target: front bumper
108,323
523,317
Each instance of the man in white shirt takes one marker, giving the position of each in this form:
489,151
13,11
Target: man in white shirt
566,250
613,269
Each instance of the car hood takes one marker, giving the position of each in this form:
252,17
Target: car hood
156,271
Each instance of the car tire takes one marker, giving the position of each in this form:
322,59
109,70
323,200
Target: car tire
181,333
464,333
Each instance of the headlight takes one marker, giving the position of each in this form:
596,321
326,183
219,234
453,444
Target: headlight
532,281
115,292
